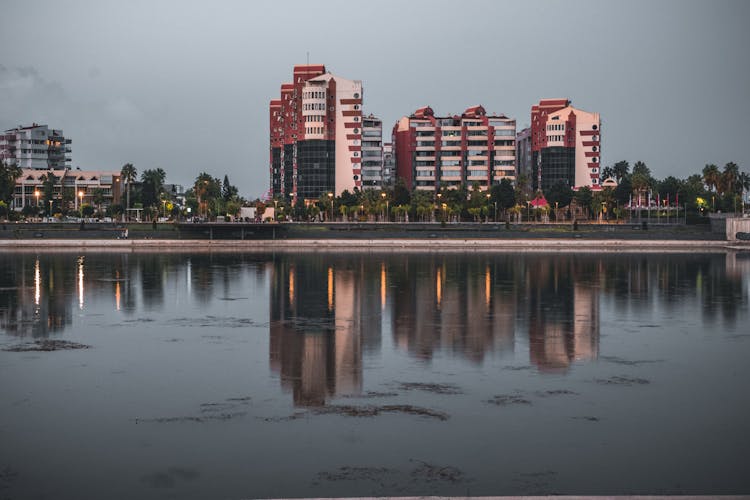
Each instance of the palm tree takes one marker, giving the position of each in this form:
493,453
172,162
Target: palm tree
730,176
711,176
128,174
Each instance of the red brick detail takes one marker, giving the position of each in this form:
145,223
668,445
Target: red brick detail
352,112
355,148
589,154
589,132
352,125
593,165
351,101
353,137
591,143
356,159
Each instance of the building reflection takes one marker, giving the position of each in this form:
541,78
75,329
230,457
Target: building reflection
318,333
563,312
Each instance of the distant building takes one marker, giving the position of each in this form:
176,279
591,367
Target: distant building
372,153
176,193
565,145
389,164
70,189
523,153
434,152
315,134
36,147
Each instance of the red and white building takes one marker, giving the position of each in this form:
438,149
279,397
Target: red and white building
316,135
434,152
565,145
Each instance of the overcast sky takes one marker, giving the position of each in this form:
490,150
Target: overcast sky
185,85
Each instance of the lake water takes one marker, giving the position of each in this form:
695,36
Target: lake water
314,374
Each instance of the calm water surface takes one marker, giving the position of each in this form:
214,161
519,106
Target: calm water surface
254,375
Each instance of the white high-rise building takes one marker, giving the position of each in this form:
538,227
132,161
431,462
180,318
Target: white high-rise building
35,147
372,152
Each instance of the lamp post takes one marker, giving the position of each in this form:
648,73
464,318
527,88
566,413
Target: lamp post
50,208
164,207
385,198
713,203
488,206
556,210
36,194
439,204
445,208
330,197
528,210
80,203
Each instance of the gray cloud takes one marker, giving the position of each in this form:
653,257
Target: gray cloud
185,85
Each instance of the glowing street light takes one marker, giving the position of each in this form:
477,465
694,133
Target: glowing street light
488,195
385,197
80,203
330,197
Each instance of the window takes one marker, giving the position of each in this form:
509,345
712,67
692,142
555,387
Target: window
594,127
356,95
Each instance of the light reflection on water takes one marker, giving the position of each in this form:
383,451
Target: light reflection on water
486,339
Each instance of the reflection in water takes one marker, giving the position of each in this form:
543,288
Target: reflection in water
327,312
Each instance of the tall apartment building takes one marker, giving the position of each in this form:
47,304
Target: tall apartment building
565,145
315,135
450,151
523,153
372,153
36,147
389,164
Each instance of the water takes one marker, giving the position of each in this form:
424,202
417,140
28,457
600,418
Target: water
261,375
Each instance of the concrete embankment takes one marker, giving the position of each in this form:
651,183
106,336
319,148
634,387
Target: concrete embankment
399,245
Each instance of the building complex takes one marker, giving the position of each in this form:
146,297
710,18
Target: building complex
472,148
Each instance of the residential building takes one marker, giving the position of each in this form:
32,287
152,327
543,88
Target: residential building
434,152
315,135
565,145
36,147
70,189
372,153
523,153
389,164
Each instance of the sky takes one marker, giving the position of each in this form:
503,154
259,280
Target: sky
185,85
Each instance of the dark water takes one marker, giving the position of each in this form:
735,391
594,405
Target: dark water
237,376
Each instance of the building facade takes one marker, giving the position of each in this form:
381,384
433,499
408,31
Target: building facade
565,145
523,153
315,135
372,153
435,152
389,164
36,147
53,191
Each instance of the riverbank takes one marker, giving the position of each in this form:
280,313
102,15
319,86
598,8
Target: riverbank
430,245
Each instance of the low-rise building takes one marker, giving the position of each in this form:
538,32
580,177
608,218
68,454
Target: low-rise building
54,190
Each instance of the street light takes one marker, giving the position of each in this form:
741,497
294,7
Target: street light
488,206
80,203
330,197
556,211
439,196
528,210
37,193
384,196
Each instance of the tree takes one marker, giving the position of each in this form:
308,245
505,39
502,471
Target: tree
129,174
9,173
669,187
621,170
504,194
207,191
559,193
98,198
152,186
228,191
584,198
711,176
729,178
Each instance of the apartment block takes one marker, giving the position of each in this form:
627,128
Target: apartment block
36,147
523,153
389,164
434,152
372,152
565,145
315,135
